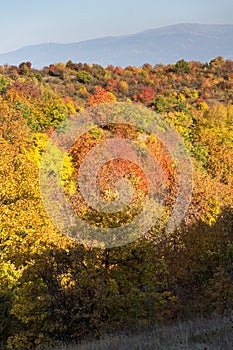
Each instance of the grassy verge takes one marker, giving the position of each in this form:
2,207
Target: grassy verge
202,334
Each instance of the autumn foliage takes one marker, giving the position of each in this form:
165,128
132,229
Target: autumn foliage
54,290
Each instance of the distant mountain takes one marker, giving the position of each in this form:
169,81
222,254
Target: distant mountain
193,42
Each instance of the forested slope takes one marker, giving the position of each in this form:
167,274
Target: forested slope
56,290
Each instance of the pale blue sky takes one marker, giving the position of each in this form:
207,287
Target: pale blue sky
26,22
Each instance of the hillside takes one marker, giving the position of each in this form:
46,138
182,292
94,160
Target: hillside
56,290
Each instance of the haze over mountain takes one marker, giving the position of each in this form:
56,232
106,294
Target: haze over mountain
193,42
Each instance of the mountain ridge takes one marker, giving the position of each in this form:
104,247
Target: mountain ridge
190,41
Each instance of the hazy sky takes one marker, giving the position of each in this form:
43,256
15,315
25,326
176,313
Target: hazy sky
26,22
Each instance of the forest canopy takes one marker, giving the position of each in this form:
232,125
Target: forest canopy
54,289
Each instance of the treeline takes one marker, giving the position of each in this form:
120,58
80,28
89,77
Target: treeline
53,289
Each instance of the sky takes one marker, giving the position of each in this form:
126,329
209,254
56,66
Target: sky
28,22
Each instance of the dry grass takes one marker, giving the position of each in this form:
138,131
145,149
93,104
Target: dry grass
203,334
